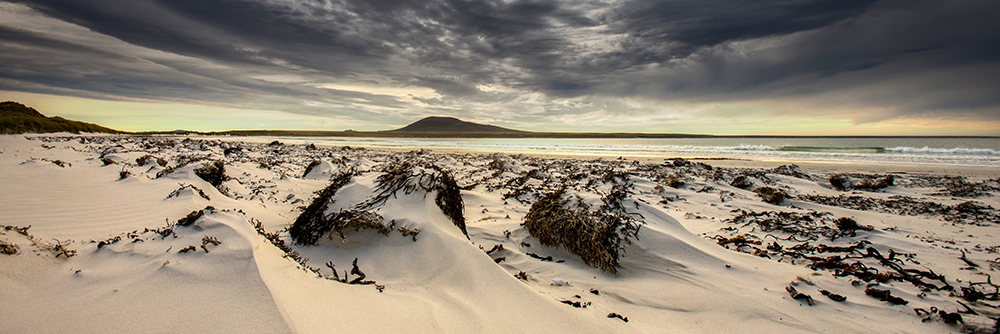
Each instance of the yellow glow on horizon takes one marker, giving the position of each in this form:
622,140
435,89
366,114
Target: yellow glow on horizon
733,118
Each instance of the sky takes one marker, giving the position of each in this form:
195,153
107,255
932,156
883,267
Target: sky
782,67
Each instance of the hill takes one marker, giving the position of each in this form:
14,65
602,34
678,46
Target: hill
11,108
447,127
451,124
17,118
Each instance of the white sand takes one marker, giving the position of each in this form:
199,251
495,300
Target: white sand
673,278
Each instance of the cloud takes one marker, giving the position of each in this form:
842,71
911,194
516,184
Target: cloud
386,61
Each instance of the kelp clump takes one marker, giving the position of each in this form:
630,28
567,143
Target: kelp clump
597,238
410,177
771,195
846,182
214,173
313,223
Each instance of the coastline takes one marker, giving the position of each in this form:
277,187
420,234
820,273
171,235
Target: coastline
816,166
445,241
813,166
979,172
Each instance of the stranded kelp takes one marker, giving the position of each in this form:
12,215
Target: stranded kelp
313,223
411,176
404,178
845,182
969,212
577,204
597,237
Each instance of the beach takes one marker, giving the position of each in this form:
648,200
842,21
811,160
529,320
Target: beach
176,234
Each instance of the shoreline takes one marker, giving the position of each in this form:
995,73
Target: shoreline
978,172
813,166
461,235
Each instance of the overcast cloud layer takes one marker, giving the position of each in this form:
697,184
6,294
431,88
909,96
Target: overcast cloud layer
537,65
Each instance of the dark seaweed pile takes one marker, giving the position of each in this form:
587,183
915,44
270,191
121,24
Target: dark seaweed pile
968,212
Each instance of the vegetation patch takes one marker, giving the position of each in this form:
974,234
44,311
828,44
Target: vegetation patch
16,118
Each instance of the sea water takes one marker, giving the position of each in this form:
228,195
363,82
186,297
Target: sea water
959,151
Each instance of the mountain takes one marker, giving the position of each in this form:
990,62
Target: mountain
451,124
17,118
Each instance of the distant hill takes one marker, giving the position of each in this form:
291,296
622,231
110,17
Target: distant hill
17,118
11,108
451,124
449,127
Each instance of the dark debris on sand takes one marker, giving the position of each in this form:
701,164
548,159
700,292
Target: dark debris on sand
558,214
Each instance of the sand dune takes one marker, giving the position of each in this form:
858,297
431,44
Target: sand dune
705,258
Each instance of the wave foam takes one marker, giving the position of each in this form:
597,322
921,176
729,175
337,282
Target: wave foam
957,150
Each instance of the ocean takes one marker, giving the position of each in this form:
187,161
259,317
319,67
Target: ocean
957,151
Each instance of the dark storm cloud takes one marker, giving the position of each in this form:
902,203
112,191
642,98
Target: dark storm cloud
918,56
696,24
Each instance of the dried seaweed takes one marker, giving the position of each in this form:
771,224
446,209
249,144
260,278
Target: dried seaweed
619,316
742,182
771,195
808,226
885,295
214,173
967,212
449,200
790,170
956,186
312,223
309,168
833,296
8,249
598,242
182,163
177,192
674,181
143,160
190,218
410,177
58,248
798,295
206,240
357,220
846,182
